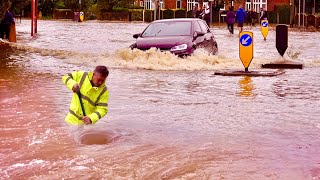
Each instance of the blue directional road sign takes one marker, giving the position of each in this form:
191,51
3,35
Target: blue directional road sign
245,40
246,48
264,28
265,24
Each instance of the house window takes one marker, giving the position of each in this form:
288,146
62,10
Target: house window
161,4
141,3
148,4
248,6
223,8
191,4
258,4
179,3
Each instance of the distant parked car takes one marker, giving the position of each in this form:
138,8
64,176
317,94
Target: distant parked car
179,36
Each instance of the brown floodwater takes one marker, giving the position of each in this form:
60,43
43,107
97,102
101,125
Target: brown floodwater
169,118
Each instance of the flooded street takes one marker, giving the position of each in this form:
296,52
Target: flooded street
169,118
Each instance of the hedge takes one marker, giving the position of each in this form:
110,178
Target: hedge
136,15
148,15
180,13
272,17
168,14
190,14
284,13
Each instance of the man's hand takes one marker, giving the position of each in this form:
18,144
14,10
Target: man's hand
86,120
76,88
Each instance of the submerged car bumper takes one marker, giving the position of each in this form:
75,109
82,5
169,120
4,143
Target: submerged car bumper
184,52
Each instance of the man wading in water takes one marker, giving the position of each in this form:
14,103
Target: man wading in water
90,99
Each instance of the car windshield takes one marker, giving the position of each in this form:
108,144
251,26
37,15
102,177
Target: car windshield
168,29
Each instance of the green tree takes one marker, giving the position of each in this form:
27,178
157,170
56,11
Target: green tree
106,5
79,5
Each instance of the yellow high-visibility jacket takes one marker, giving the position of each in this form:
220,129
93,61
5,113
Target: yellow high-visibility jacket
94,99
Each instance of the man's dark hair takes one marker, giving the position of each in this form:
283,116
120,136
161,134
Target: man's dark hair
103,70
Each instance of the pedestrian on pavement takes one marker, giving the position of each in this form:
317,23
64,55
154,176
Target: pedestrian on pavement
230,19
5,24
263,14
240,16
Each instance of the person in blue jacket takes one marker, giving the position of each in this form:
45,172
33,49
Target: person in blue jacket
240,17
5,24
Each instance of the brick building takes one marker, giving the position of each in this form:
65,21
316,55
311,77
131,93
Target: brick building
311,6
269,5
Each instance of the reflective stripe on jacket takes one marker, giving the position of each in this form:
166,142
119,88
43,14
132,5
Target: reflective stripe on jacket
94,99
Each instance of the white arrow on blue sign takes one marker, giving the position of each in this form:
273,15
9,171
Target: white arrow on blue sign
265,24
245,40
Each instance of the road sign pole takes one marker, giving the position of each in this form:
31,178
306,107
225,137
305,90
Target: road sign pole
232,9
264,28
32,16
282,38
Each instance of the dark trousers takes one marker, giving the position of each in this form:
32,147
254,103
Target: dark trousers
4,30
230,27
207,19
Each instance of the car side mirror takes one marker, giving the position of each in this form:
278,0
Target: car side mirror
197,34
136,35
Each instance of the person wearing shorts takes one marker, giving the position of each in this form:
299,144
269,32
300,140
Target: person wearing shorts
240,17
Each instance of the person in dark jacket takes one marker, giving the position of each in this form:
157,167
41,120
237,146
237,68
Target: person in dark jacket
5,24
194,11
230,19
240,16
206,15
199,13
263,15
250,18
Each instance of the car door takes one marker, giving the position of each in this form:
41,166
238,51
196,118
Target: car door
198,40
209,42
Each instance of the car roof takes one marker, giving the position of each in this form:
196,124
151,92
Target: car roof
177,20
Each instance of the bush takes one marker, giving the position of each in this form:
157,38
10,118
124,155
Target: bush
190,14
119,9
137,15
272,17
284,14
168,14
91,17
114,16
180,13
148,15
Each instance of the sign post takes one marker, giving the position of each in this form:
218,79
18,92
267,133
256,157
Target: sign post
246,48
32,16
282,38
264,28
81,16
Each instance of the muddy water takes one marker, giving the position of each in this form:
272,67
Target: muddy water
169,118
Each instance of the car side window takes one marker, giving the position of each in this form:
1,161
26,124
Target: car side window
197,27
204,27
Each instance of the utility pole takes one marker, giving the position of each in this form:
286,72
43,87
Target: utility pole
299,14
314,7
155,10
304,9
144,9
291,13
232,9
